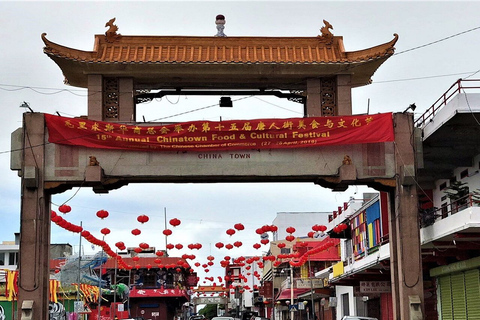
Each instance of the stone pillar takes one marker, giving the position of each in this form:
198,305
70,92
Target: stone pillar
344,95
34,260
314,106
95,97
126,102
405,250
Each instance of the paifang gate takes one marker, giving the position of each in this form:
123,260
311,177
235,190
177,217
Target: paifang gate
108,149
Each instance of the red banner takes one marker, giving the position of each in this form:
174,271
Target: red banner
137,293
222,135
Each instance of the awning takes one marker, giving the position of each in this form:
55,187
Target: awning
286,294
316,294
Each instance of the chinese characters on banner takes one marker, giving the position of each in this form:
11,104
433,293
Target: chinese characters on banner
222,135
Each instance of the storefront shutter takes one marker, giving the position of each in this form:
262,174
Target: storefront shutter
446,298
472,289
458,296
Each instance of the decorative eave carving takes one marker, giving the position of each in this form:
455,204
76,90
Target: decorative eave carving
327,35
111,34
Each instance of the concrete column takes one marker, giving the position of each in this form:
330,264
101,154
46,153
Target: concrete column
314,106
406,260
95,97
344,95
126,102
34,260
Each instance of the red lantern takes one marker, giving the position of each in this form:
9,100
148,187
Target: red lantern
105,231
239,226
210,258
219,245
159,253
311,234
170,246
144,245
149,266
259,231
136,258
281,245
264,241
175,222
167,232
136,232
273,228
230,232
64,208
290,229
179,246
143,218
120,245
197,264
138,250
290,238
229,246
237,244
257,246
157,260
102,214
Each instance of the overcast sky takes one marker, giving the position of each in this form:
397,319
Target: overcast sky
438,44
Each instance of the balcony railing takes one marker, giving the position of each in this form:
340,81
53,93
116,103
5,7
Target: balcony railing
456,88
428,217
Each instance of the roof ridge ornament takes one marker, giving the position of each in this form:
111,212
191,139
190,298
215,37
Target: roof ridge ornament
326,35
111,34
220,22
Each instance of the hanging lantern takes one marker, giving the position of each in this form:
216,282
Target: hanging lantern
143,218
239,226
281,245
197,264
219,245
259,231
230,232
136,258
290,229
159,253
237,244
210,258
136,232
102,214
229,246
210,263
120,245
64,208
170,246
138,250
105,231
157,260
257,246
264,241
144,245
149,266
311,234
179,246
290,238
167,232
175,222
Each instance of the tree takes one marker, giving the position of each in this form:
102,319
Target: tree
209,311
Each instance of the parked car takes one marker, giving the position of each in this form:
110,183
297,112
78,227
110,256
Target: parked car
197,317
224,318
358,318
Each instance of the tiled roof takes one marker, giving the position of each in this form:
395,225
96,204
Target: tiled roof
218,50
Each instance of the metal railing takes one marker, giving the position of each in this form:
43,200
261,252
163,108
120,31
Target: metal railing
429,217
456,88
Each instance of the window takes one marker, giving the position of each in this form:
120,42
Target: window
2,258
12,258
464,174
285,250
444,210
443,186
345,304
